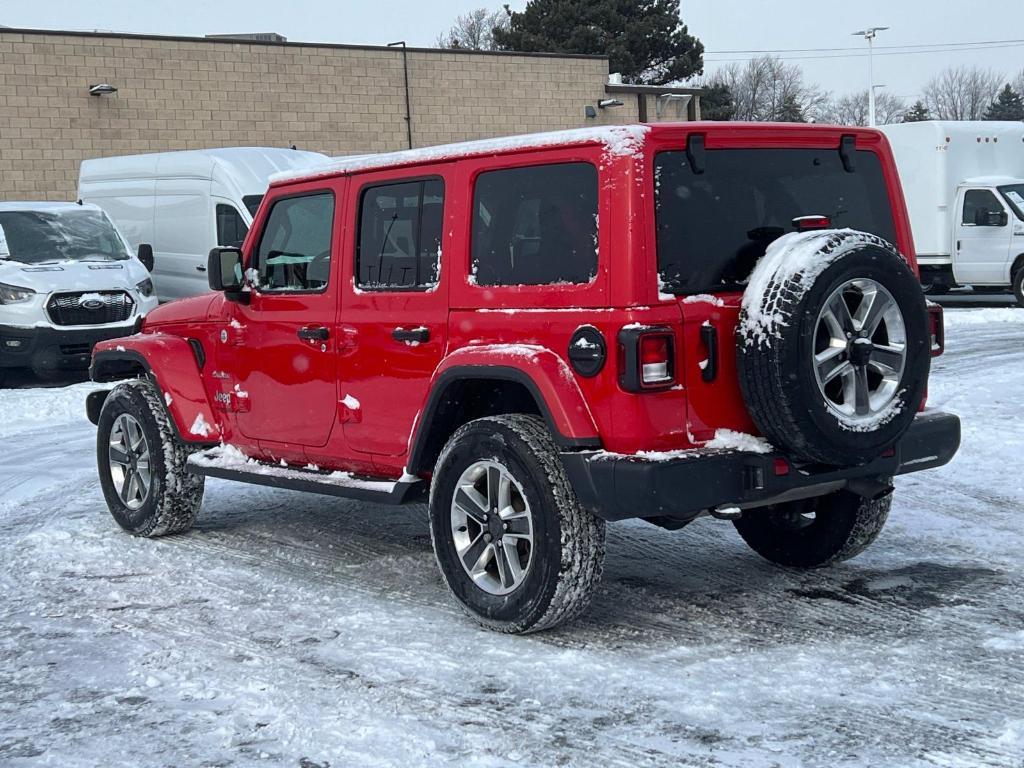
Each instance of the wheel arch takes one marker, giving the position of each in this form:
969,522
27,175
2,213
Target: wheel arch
1016,266
173,365
472,389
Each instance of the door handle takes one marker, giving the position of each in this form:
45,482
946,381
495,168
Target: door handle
415,334
709,336
318,333
200,268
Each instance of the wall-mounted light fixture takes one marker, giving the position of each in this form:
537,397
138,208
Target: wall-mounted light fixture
102,89
605,103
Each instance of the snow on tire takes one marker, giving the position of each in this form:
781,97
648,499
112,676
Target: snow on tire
833,350
142,463
512,542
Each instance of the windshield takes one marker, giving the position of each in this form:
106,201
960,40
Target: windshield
713,227
38,237
1014,194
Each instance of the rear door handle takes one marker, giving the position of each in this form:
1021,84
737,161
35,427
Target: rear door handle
200,268
414,334
709,336
318,333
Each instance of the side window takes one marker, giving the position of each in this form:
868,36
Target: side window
535,225
978,203
295,247
399,238
231,230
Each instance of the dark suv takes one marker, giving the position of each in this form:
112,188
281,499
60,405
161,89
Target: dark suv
544,333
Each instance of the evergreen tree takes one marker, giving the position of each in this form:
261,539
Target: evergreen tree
790,111
917,113
716,102
645,40
1008,106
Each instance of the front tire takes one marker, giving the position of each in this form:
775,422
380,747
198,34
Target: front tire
512,542
1018,286
141,462
813,533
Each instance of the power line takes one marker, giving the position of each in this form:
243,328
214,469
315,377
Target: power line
851,55
877,48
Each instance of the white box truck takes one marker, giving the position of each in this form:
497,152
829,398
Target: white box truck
185,203
964,186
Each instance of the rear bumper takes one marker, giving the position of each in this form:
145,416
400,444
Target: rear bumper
47,348
617,487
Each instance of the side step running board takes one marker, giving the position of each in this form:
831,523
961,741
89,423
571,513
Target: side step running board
229,463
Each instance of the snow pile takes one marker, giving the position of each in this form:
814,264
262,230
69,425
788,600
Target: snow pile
727,439
618,141
703,298
789,267
200,426
963,318
25,409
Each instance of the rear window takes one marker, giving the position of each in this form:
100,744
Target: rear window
713,227
535,225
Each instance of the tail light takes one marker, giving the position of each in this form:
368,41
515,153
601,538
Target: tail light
646,358
805,223
936,329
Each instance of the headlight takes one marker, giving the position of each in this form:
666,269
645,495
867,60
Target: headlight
145,287
12,294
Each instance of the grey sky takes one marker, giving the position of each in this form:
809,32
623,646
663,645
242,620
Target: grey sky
723,25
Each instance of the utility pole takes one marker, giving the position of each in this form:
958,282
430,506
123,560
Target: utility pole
408,107
869,35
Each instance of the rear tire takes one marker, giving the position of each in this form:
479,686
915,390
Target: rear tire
815,532
512,542
141,462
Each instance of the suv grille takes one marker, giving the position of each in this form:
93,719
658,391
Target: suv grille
97,309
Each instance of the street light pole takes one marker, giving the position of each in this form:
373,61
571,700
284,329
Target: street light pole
869,35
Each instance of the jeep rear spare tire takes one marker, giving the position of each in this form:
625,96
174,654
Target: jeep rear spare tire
833,350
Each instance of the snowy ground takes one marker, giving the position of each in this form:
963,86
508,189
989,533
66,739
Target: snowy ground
302,631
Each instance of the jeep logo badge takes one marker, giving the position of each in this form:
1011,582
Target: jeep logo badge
91,304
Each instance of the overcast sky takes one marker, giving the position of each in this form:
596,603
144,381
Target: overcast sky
723,25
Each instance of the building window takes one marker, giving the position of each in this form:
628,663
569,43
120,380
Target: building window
295,248
535,225
399,243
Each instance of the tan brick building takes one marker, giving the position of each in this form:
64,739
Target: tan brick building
192,93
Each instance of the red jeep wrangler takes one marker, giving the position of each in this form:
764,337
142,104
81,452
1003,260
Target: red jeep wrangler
545,333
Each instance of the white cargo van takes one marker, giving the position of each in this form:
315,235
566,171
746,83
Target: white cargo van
964,186
185,203
67,281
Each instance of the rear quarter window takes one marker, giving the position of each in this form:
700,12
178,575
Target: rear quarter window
535,225
712,227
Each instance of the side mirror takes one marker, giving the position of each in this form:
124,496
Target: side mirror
146,255
998,219
224,271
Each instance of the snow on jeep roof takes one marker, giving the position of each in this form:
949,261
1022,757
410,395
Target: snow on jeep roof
619,140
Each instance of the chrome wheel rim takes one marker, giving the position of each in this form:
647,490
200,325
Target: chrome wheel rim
492,527
130,467
860,350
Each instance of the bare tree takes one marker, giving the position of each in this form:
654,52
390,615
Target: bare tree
475,30
1018,82
962,93
768,89
852,109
